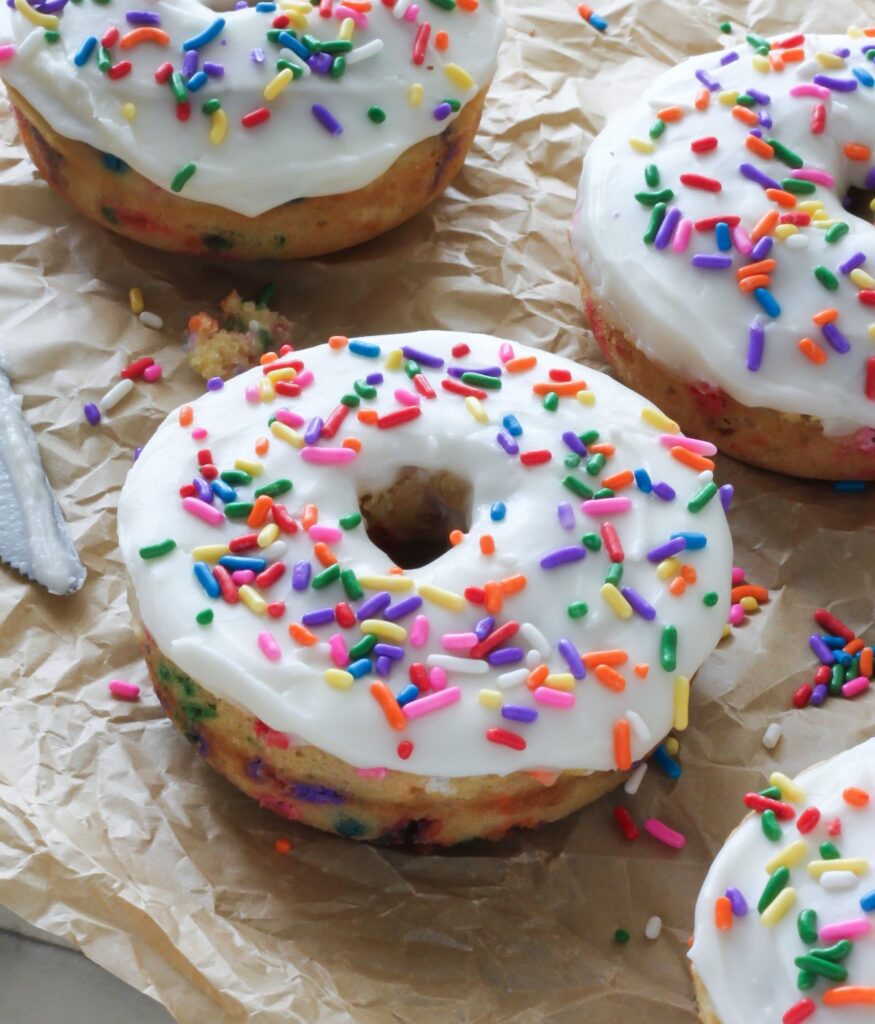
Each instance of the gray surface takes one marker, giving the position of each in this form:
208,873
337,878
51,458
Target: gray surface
42,981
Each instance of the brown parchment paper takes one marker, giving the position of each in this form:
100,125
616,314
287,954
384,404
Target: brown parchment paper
116,837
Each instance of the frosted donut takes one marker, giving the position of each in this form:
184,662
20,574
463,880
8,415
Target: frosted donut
279,130
721,272
476,581
784,924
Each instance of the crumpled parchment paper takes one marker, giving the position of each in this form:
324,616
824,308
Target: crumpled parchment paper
116,837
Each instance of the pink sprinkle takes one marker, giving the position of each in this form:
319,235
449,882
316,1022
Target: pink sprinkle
852,929
124,691
741,240
304,379
432,702
269,647
328,456
855,686
339,653
291,419
682,236
606,506
659,830
818,177
437,678
349,12
737,576
505,352
152,373
692,444
555,698
209,513
7,51
810,89
252,394
329,534
412,13
241,576
419,631
280,740
371,773
736,615
406,397
459,641
199,433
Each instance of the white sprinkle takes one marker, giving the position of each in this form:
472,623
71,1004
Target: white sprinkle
839,880
115,394
508,680
152,320
275,552
533,659
633,783
808,69
437,784
467,666
400,8
797,241
535,638
772,735
653,927
638,726
370,49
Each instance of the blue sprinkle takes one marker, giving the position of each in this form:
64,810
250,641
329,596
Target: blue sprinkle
317,794
597,21
867,902
512,425
364,348
265,8
724,237
113,163
643,481
350,828
360,668
234,563
498,511
294,44
835,642
85,51
197,81
409,693
206,579
666,763
695,541
850,486
207,36
768,301
223,492
863,77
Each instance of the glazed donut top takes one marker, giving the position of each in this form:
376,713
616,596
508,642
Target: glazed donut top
814,882
257,106
710,219
558,633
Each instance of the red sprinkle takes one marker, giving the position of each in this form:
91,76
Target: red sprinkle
612,543
110,37
120,70
870,378
808,820
460,350
818,119
505,738
280,21
802,696
763,803
282,364
423,386
458,388
209,472
276,609
420,42
625,823
700,181
832,625
226,584
476,595
135,369
334,420
822,676
183,111
270,575
799,1012
204,457
560,375
245,542
187,491
399,416
255,117
791,42
287,388
537,457
867,296
419,675
405,749
163,72
709,223
834,827
496,637
704,145
283,519
344,614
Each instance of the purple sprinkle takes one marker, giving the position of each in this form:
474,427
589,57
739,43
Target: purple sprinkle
328,121
241,5
314,430
507,442
707,81
667,550
255,769
318,617
566,515
836,84
442,111
257,56
857,260
391,651
870,179
316,794
574,443
301,575
762,248
92,413
758,132
517,713
374,379
214,383
423,358
737,901
484,371
137,451
405,606
835,337
819,694
321,63
562,556
728,58
760,97
572,656
204,491
822,652
664,491
755,174
374,605
726,493
642,607
765,119
213,69
506,656
383,665
667,228
142,18
842,52
756,340
711,261
189,63
484,627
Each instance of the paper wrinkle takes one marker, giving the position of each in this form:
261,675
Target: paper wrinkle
117,837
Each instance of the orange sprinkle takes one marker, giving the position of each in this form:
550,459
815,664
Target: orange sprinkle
678,586
282,846
857,151
391,708
746,116
324,554
776,60
869,32
258,515
492,598
723,913
603,449
642,669
261,446
537,677
847,995
622,745
584,11
855,797
456,537
186,416
395,570
351,442
521,365
749,590
338,341
792,56
765,225
487,544
854,646
749,284
268,357
610,678
825,316
301,635
617,481
688,572
866,662
615,657
760,267
669,114
782,198
441,41
468,5
144,34
703,99
757,145
691,459
811,350
369,416
513,584
562,388
310,516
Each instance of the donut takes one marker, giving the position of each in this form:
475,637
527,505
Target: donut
725,272
785,916
424,587
280,130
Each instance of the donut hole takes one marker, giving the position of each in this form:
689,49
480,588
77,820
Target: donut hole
858,201
412,518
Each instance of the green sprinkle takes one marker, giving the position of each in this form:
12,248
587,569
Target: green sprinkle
454,105
205,617
104,61
805,980
447,5
710,599
746,101
277,487
651,175
785,155
592,541
313,44
182,176
577,609
296,69
351,521
656,129
210,107
829,851
652,198
823,968
604,492
668,648
701,499
837,952
236,477
806,925
797,186
351,400
336,46
482,380
325,577
364,647
836,232
351,585
615,574
273,35
551,401
776,884
595,464
377,114
412,368
837,680
656,219
827,278
757,42
157,550
771,793
576,486
51,35
238,509
725,27
571,461
365,390
177,87
771,828
589,437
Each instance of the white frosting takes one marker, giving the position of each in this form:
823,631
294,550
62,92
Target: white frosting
695,321
286,158
749,970
292,694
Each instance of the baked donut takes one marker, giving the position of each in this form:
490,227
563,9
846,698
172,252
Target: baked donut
476,581
784,919
724,272
279,130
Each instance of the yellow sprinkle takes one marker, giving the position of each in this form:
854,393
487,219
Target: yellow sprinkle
338,678
871,330
490,698
218,126
347,28
266,390
668,568
210,552
135,296
439,596
761,63
778,907
858,865
385,630
252,599
783,231
475,408
822,218
267,535
415,94
659,420
288,373
855,32
129,111
395,584
750,604
298,19
681,703
810,206
615,601
277,84
861,279
872,204
586,397
672,746
560,681
394,359
727,631
34,17
642,145
458,76
285,433
252,468
789,857
728,98
829,60
789,790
